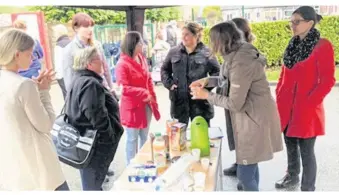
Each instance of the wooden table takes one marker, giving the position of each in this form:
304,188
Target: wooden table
213,175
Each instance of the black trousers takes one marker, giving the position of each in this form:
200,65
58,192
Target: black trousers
304,148
62,86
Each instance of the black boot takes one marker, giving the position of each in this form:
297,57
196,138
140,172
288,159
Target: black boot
240,187
110,173
232,171
287,182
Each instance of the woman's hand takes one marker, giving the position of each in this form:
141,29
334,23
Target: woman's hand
149,97
199,93
44,79
174,87
199,83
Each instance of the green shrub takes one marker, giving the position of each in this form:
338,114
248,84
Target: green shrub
272,37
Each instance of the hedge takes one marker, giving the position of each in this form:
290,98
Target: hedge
273,37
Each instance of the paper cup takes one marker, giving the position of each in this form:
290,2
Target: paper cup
205,163
196,154
199,181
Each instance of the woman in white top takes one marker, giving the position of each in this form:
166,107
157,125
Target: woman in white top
62,40
28,156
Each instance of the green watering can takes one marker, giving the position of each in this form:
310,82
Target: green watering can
199,136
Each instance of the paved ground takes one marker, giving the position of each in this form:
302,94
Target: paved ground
327,148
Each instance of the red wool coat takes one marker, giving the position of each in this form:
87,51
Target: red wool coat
301,90
136,81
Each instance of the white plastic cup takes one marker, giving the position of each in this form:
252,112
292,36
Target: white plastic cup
199,181
196,154
205,163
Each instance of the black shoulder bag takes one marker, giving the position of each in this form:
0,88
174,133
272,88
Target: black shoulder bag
73,149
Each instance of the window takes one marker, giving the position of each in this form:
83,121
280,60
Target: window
248,16
258,14
229,16
288,13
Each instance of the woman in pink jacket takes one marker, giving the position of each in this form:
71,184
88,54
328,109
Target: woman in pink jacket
138,100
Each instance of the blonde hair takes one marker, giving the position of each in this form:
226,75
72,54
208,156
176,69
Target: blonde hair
12,41
84,56
60,30
20,24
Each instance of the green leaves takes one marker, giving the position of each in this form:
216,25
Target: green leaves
65,14
162,14
272,37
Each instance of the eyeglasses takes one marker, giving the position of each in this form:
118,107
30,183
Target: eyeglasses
297,22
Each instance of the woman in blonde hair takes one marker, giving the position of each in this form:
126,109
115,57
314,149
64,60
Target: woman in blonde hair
28,157
185,63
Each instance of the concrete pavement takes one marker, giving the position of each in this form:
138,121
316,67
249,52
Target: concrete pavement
327,148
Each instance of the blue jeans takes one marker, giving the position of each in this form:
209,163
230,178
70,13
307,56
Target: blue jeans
248,176
63,187
133,134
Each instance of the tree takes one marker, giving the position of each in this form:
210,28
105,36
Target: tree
212,14
162,14
65,14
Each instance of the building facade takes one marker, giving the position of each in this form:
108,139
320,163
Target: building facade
270,13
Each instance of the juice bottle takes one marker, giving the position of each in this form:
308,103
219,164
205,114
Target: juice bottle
159,152
199,136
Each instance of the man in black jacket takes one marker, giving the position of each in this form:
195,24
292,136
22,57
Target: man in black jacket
91,106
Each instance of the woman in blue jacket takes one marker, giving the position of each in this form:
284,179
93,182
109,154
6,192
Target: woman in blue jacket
38,54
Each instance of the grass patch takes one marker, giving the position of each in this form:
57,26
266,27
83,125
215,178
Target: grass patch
274,73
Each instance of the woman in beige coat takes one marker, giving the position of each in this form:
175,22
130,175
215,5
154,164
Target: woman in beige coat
28,157
253,111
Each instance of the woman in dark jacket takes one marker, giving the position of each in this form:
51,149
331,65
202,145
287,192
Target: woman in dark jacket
244,26
307,77
91,106
185,63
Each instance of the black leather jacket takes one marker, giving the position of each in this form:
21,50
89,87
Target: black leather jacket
182,69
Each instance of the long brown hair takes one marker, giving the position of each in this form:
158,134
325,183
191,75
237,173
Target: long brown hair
244,26
83,20
130,42
225,37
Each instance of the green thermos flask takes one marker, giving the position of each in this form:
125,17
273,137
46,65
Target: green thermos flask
199,136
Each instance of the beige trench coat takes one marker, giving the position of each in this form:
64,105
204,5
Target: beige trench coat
254,115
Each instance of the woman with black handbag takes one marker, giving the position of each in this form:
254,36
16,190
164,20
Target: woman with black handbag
89,105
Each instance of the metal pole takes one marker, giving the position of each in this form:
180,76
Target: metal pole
243,11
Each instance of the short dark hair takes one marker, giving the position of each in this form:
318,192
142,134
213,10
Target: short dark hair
131,40
225,37
82,20
308,13
195,28
244,26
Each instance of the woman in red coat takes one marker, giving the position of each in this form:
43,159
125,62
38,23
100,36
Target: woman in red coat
138,100
307,77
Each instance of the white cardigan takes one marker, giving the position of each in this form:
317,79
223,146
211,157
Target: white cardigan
28,156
